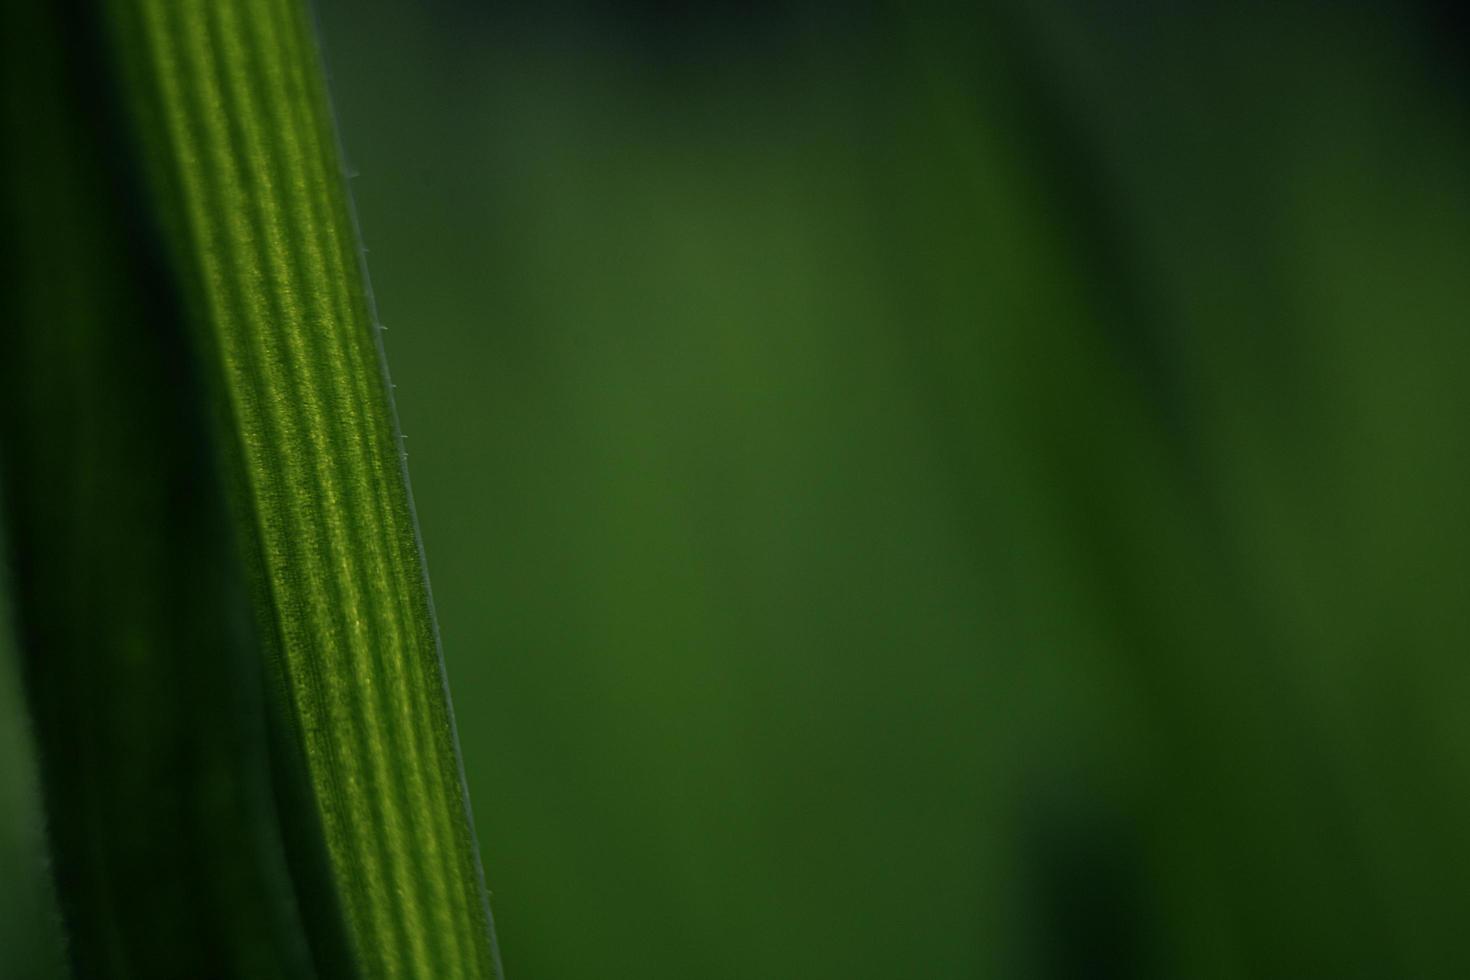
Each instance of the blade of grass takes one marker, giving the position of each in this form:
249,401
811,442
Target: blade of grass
243,161
143,677
247,747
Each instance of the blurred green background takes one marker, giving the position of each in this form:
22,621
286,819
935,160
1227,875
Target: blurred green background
914,492
928,492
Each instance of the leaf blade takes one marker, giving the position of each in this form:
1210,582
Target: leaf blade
245,160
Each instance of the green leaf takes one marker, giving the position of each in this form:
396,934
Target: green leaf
247,746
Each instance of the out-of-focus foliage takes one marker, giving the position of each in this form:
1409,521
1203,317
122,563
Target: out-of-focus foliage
931,494
29,932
